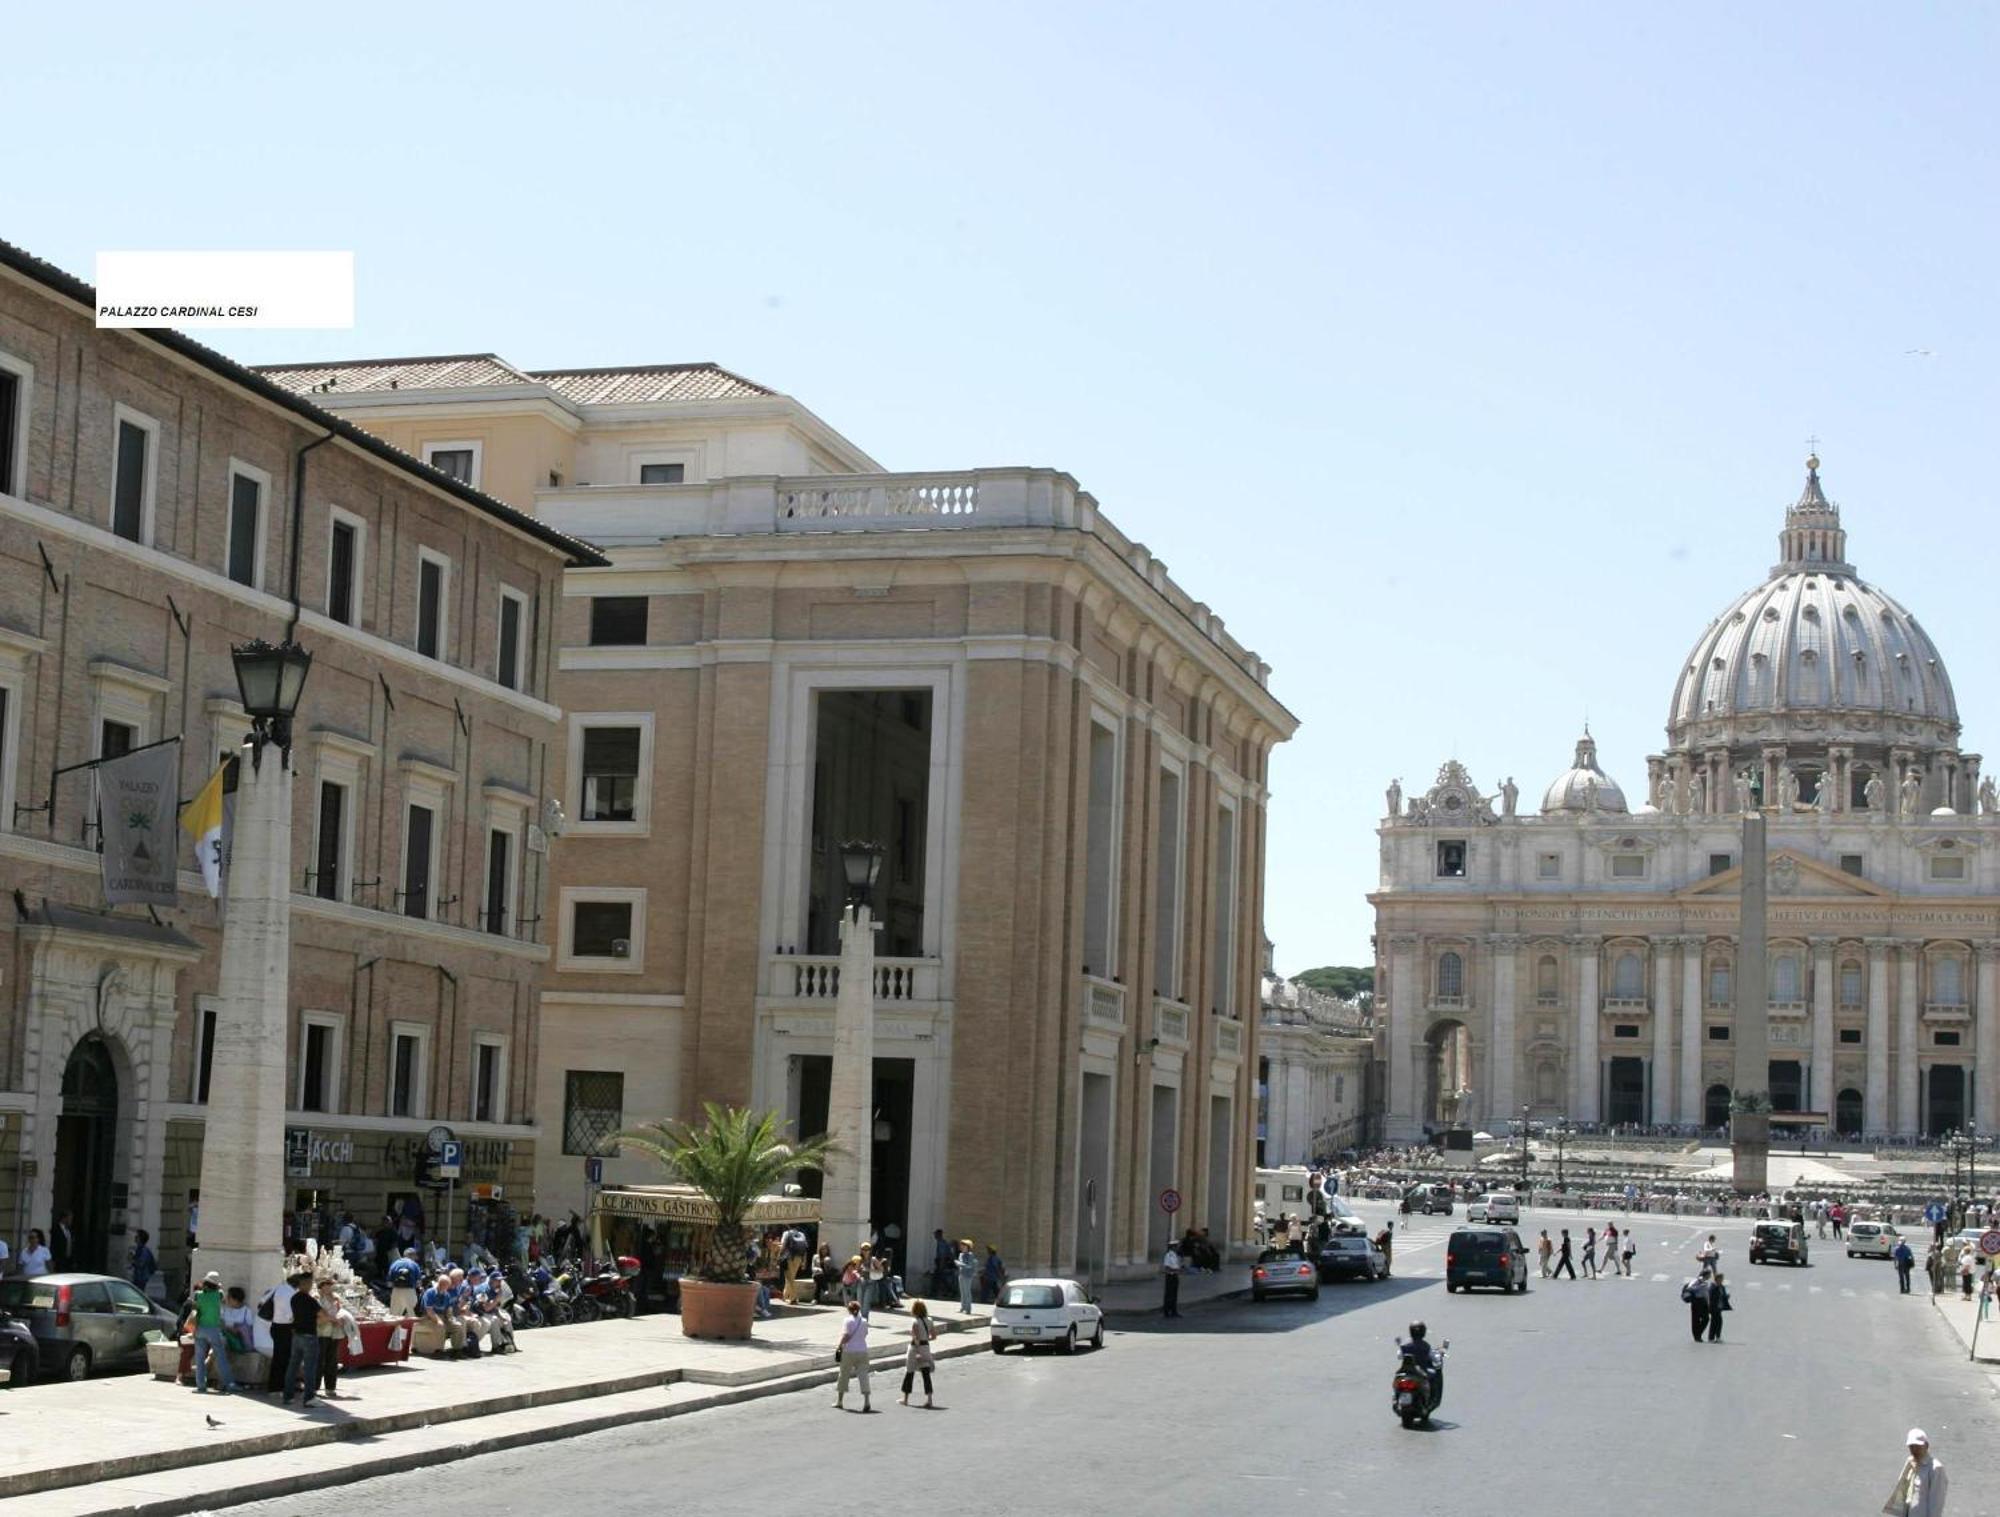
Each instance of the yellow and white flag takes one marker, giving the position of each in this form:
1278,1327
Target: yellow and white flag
207,818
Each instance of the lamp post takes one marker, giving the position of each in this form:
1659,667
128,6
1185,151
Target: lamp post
846,1206
243,1142
1562,1134
1524,1151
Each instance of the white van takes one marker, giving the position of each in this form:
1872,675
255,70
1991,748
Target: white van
1500,1206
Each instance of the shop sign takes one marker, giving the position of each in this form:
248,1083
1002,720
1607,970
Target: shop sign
304,1148
685,1206
480,1158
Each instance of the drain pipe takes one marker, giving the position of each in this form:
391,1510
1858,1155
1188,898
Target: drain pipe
298,524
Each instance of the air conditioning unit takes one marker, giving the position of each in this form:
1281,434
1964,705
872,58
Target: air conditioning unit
621,948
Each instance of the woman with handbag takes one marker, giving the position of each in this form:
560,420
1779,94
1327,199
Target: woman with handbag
853,1358
918,1359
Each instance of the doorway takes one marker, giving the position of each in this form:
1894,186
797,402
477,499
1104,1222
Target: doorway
889,1168
1160,1170
1847,1113
1945,1110
1715,1107
1219,1160
86,1150
1787,1083
1626,1083
1093,1182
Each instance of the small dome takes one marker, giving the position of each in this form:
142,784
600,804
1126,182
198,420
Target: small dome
1584,786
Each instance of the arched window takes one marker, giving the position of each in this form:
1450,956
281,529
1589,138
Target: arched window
1450,977
1847,1113
1545,1084
1850,983
1718,983
1785,986
1948,983
1547,984
1715,1107
1628,978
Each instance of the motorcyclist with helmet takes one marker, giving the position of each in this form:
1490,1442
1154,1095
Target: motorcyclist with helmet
1420,1353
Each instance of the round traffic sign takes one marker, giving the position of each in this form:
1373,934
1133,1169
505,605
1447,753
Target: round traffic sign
1989,1242
1170,1201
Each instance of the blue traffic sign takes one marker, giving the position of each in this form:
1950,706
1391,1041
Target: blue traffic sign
451,1158
593,1171
1935,1213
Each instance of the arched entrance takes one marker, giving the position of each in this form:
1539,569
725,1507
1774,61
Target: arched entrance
86,1150
1847,1113
1448,1084
1715,1106
1945,1110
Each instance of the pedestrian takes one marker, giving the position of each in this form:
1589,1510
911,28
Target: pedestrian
404,1279
440,1307
1986,1289
62,1244
1170,1282
1709,1254
944,1263
239,1321
275,1307
1718,1303
1563,1259
204,1318
335,1320
994,1275
1695,1294
1590,1253
143,1265
35,1254
302,1368
1611,1247
1920,1489
1967,1262
1544,1248
968,1275
1906,1260
853,1358
917,1358
1630,1248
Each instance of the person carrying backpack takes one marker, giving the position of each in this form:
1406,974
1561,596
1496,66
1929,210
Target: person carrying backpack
1695,1294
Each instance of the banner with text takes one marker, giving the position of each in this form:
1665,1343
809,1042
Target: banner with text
137,796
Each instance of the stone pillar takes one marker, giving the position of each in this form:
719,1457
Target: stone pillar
1909,1013
1504,950
1660,1083
243,1144
1750,1036
1875,1096
1821,1090
846,1202
1838,763
1694,999
1986,1041
1584,1076
1401,1123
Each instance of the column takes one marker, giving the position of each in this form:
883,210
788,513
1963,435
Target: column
1908,1014
1820,1088
1401,1124
1584,1075
1986,1040
845,1207
1875,1098
1660,1083
1504,950
1693,997
1837,759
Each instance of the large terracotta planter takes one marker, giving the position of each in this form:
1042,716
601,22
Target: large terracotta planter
709,1310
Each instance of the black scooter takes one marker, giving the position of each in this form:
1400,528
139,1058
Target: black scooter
1414,1392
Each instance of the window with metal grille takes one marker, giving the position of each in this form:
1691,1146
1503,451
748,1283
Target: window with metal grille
593,1109
610,774
1450,977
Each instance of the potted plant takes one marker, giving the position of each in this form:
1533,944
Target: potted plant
731,1159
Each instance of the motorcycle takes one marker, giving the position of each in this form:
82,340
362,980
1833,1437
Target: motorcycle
610,1288
549,1296
519,1298
1415,1393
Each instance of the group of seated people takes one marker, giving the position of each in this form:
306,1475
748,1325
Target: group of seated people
466,1306
868,1277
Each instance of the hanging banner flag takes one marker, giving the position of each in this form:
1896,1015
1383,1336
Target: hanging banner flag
207,819
136,798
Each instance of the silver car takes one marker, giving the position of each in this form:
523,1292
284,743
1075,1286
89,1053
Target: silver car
85,1322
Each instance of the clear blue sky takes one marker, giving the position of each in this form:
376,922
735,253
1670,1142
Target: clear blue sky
1461,356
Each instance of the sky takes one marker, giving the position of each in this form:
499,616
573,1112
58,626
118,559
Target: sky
1462,357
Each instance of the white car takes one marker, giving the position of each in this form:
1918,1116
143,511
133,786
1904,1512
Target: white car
1500,1206
1871,1238
1058,1313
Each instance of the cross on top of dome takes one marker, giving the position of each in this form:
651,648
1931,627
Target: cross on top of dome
1813,537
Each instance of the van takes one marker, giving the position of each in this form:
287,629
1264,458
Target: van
1500,1206
1429,1199
1778,1243
1485,1256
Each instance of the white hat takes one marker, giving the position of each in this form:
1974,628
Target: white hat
211,1278
1918,1435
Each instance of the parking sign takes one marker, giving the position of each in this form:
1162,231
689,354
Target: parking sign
451,1159
593,1171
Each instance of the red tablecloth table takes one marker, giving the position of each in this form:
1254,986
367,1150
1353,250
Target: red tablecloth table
381,1343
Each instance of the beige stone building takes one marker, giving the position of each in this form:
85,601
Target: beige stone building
158,504
1064,754
1315,1061
1581,961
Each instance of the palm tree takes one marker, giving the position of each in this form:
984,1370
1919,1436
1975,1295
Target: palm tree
734,1157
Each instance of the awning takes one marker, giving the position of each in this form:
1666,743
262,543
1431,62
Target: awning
683,1203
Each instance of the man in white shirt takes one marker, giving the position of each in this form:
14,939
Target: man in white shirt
1920,1489
1170,1274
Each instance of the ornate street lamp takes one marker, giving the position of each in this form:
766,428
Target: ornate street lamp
271,678
862,863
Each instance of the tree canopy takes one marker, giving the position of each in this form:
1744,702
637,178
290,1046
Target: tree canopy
1348,981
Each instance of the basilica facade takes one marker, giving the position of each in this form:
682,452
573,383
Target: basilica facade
1579,960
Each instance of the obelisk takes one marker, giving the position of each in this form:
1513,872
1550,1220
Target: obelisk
846,1205
1750,1129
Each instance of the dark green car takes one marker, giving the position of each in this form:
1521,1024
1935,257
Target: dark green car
1485,1256
1778,1243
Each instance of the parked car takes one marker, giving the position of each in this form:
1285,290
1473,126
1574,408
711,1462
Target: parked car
1778,1243
1054,1312
83,1323
1485,1256
19,1357
1280,1272
1429,1199
1499,1206
1875,1240
1353,1254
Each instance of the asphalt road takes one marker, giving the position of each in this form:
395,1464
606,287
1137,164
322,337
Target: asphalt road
1584,1397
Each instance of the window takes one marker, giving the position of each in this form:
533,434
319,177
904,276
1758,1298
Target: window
1450,978
1785,987
346,541
408,1045
460,460
419,859
1948,983
1851,863
662,474
1944,1039
116,739
618,621
1222,945
1548,981
135,439
1718,985
16,377
1549,866
1451,860
1721,863
513,623
433,585
1100,843
1850,1035
247,487
329,871
1167,890
489,1078
593,1109
1625,1029
1628,978
204,1054
1718,1035
1850,983
6,760
1947,866
610,774
602,929
319,1062
499,913
1628,866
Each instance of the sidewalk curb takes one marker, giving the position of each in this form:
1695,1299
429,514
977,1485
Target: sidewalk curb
1143,1313
392,1463
1991,1357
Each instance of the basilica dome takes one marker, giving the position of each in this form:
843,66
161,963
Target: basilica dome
1815,653
1583,786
